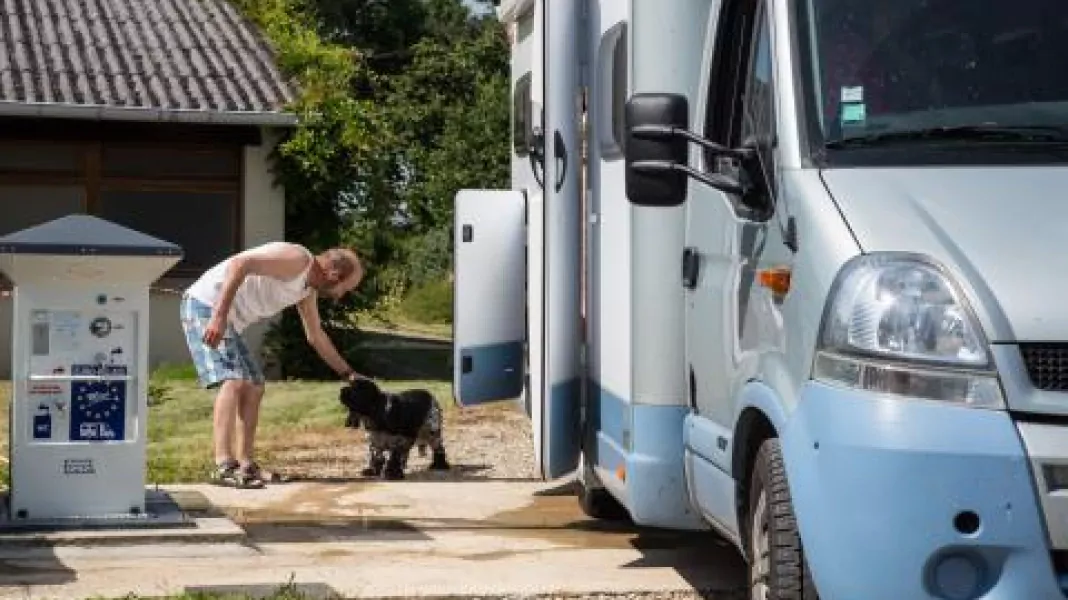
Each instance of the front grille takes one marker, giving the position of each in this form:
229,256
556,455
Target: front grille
1047,365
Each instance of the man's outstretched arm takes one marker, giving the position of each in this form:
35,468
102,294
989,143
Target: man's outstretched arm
280,260
317,338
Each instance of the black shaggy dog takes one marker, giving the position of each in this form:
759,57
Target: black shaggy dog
395,422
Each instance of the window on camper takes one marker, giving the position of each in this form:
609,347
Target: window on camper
912,68
741,91
758,112
521,115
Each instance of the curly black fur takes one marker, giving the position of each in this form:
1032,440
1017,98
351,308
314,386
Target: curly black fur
395,422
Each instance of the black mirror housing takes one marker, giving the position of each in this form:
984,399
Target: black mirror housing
655,155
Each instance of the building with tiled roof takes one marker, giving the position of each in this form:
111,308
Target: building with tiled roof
156,114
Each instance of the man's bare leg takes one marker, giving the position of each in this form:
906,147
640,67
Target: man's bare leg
227,402
248,417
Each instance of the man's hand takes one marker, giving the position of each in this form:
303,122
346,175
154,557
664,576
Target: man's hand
213,333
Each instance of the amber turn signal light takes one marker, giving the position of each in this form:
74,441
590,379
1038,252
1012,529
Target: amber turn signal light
776,279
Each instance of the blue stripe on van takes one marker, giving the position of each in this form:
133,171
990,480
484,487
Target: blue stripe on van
565,421
655,483
496,373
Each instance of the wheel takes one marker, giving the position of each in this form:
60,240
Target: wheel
597,503
777,566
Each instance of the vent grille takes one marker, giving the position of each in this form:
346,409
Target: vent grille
1047,365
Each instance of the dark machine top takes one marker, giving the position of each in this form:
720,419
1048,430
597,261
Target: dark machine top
81,234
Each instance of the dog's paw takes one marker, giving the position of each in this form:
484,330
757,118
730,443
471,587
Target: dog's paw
393,474
439,463
370,472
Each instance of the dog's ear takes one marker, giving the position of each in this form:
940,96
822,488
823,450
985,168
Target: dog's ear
345,395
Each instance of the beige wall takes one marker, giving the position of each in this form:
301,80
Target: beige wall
264,220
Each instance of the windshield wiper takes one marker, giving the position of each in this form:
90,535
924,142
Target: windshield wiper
1009,133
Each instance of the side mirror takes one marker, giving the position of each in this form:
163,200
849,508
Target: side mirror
652,152
657,153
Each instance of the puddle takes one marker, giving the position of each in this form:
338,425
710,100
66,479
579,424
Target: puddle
332,513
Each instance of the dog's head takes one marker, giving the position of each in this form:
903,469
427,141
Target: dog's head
364,399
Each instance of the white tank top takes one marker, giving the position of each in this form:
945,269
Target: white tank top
257,298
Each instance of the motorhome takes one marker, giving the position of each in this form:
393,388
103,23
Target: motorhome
788,271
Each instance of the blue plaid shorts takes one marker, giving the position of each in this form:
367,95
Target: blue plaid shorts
231,359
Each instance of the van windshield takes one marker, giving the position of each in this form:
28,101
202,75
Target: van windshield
892,70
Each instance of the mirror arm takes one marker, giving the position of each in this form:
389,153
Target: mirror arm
717,181
667,131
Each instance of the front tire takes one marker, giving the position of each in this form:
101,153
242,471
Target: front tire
777,566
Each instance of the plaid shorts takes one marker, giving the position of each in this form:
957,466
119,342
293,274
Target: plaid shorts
231,359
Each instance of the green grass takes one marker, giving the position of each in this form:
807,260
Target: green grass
397,322
180,431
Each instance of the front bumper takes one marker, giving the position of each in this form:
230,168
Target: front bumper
902,499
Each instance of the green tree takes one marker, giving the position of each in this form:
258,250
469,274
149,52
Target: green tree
402,103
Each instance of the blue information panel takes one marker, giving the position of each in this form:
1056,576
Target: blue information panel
98,408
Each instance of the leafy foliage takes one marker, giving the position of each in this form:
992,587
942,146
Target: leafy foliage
401,103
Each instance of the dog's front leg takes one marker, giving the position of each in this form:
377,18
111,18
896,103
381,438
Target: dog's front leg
398,459
437,440
377,456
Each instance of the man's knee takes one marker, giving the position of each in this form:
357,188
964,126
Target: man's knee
243,388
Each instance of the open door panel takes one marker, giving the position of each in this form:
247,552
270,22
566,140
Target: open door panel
489,298
561,395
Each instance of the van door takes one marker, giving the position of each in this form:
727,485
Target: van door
488,298
546,166
557,424
728,243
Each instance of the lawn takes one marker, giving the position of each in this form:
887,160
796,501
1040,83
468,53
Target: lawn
300,423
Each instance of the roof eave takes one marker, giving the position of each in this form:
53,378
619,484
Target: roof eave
93,112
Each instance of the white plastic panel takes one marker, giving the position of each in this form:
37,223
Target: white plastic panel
488,311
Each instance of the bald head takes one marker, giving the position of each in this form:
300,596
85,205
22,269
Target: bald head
341,269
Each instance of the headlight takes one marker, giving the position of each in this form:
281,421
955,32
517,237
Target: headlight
898,325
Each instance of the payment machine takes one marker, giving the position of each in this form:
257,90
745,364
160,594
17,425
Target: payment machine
80,367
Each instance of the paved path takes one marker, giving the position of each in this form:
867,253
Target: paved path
396,539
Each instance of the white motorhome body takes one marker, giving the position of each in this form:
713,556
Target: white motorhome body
608,391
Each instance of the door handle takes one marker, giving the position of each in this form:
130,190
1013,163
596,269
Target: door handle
536,153
691,267
560,154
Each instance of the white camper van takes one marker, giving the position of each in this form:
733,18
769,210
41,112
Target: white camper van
802,291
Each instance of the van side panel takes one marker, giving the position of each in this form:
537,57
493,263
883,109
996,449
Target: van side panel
653,418
608,226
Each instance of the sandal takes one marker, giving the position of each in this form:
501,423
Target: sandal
263,475
230,474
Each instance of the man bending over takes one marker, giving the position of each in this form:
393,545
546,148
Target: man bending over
250,286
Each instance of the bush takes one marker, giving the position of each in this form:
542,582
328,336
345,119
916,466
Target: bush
430,303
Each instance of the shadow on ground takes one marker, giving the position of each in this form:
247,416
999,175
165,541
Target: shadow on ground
35,566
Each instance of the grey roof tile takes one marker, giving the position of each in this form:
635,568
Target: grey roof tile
199,55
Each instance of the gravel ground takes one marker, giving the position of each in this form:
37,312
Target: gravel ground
490,442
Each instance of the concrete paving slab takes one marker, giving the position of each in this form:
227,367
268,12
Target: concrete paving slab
164,521
389,540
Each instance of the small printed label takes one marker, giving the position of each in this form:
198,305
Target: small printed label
78,466
853,113
853,94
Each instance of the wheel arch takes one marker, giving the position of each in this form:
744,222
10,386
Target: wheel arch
761,417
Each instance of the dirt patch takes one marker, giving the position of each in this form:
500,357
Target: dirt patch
483,443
